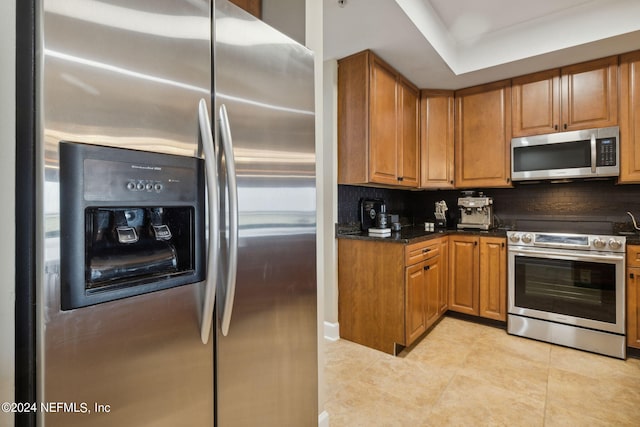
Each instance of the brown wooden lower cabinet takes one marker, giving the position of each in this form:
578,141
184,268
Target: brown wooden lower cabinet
463,279
633,296
371,293
478,276
389,293
422,286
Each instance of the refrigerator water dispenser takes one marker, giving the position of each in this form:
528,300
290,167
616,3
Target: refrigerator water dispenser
131,223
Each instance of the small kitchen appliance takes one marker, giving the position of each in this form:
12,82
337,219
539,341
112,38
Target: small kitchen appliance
476,212
370,209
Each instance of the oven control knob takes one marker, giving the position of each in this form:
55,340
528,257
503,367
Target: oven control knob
615,244
527,238
598,243
514,238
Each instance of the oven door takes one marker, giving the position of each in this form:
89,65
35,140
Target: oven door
570,287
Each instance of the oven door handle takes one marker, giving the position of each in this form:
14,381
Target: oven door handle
551,254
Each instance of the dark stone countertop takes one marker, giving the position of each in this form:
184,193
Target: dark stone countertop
411,234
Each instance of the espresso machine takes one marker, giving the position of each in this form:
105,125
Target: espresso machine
476,212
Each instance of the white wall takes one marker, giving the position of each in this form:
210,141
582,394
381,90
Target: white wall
7,213
314,40
288,17
330,201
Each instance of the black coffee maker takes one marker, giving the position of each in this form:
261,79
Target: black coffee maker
370,210
131,222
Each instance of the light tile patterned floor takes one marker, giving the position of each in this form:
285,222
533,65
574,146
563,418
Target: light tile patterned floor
466,374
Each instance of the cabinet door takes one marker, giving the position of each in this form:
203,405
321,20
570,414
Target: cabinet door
354,78
633,303
483,136
433,278
415,309
463,262
590,94
408,167
493,278
443,292
383,148
630,118
536,103
436,138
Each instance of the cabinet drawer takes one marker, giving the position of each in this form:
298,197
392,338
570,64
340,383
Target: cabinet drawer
421,251
633,256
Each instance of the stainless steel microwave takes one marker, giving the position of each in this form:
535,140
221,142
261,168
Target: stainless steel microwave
589,153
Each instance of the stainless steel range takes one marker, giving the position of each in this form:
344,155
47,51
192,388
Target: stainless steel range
568,289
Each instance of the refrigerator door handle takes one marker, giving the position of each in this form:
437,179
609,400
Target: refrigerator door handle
232,185
213,204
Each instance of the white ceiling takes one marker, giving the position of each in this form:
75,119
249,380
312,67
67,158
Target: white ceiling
451,44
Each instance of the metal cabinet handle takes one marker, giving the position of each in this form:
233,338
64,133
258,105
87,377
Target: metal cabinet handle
427,267
232,185
631,276
213,204
593,152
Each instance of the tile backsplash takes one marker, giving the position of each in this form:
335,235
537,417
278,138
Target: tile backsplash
598,201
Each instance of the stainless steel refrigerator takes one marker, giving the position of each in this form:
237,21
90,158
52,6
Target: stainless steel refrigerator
167,275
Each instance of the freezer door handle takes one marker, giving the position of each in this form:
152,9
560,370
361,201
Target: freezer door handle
232,185
213,204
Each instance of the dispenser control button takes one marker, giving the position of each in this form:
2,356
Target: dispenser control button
149,187
126,235
162,232
158,187
131,186
140,186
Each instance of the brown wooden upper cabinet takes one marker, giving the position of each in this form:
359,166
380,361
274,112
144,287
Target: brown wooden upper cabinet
630,118
254,7
483,136
436,138
579,96
377,123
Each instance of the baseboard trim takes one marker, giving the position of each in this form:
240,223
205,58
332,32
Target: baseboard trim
331,331
323,419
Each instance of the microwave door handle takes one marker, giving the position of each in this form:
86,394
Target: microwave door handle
213,203
232,185
593,153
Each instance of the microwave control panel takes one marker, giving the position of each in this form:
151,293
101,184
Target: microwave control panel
606,152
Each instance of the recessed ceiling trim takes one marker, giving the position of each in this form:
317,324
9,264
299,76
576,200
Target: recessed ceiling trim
584,23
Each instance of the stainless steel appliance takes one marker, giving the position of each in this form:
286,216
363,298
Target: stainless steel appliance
266,345
126,261
568,289
589,153
476,212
